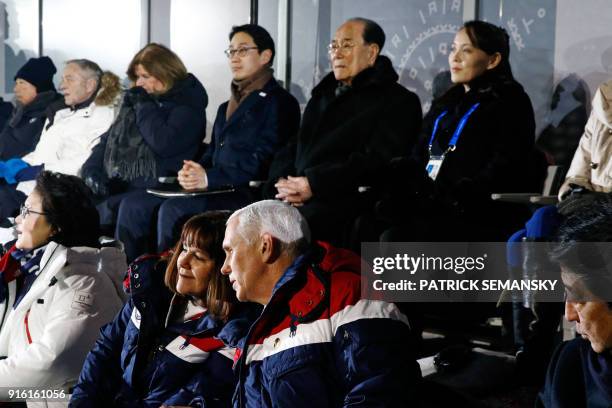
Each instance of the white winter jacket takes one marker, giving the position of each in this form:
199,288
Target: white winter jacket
48,335
67,144
592,163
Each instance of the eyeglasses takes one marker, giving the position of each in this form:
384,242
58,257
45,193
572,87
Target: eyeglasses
242,51
345,48
24,211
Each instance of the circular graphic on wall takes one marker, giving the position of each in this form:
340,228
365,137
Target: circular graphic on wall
419,48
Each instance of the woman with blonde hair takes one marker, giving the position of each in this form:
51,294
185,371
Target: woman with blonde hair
161,122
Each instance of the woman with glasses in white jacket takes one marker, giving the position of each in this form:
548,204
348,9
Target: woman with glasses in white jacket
57,288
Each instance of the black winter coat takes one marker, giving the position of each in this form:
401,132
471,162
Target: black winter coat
492,155
345,141
20,135
493,147
173,125
6,110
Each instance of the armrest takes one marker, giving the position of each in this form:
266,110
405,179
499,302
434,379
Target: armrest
544,200
167,180
524,198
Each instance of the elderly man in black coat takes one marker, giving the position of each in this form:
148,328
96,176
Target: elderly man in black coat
357,120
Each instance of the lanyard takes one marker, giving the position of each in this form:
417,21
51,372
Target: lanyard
453,142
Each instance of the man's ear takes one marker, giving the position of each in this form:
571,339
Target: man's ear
265,56
373,51
54,231
494,60
269,248
90,85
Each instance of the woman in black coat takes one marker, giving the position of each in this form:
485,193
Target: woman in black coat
161,122
477,140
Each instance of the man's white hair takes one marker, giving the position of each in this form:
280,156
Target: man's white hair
281,220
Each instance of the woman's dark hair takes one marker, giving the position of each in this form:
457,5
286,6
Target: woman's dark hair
261,37
491,39
69,209
582,240
206,232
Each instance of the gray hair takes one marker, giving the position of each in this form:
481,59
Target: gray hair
90,68
281,220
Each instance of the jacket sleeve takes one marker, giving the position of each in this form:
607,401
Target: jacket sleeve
95,162
168,133
53,355
283,165
580,169
393,135
374,356
101,374
279,124
213,382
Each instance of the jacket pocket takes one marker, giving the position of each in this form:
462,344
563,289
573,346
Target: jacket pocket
301,377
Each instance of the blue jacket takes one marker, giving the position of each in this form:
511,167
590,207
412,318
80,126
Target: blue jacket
141,361
319,344
243,146
21,133
173,125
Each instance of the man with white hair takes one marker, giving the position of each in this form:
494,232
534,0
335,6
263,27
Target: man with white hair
317,342
68,136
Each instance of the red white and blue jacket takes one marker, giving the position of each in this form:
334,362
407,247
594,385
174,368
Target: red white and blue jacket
318,344
140,360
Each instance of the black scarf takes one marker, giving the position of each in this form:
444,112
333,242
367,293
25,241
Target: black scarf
127,155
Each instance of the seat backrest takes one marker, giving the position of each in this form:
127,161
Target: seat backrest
553,180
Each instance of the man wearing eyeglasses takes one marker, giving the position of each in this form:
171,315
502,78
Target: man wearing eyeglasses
258,119
358,118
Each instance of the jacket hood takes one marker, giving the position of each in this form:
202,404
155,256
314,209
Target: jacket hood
382,72
602,103
239,323
327,257
230,332
188,91
107,261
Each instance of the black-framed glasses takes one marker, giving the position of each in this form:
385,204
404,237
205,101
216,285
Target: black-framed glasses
345,47
24,211
241,51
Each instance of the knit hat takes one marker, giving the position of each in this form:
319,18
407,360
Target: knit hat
38,72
